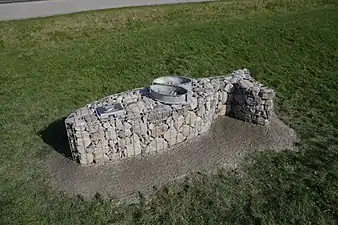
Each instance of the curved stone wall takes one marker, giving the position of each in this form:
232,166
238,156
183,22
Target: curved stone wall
139,125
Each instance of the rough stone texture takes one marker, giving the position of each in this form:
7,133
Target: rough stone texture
146,126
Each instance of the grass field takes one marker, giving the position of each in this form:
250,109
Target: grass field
50,67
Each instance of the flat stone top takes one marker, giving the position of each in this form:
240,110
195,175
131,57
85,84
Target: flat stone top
136,102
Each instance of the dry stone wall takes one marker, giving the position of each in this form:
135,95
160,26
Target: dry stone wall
146,126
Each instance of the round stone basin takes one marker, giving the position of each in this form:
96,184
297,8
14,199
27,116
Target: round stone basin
168,94
184,82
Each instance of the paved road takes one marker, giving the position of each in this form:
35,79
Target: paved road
25,10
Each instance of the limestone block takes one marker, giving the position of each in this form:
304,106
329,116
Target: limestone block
223,110
170,122
86,158
111,134
180,138
112,144
224,97
119,124
123,142
137,144
229,88
170,136
159,129
190,118
199,122
83,142
245,84
106,124
185,130
158,144
139,127
81,149
130,151
99,157
160,112
192,102
179,122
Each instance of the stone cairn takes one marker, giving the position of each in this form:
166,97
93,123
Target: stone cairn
141,125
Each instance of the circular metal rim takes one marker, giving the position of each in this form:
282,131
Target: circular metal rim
186,82
177,99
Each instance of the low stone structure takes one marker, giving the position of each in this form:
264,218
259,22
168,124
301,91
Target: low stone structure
133,123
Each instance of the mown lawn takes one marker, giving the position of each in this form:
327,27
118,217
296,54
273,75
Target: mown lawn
50,67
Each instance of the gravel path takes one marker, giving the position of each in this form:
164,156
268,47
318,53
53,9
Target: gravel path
228,141
25,10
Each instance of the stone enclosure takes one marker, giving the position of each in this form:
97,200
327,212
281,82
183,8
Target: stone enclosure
145,121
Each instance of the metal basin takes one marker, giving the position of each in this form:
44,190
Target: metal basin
168,94
184,82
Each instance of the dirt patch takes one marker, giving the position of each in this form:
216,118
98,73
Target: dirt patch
228,141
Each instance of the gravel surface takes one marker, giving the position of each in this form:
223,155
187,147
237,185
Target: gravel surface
225,145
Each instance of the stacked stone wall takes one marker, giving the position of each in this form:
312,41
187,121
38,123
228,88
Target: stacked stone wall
146,126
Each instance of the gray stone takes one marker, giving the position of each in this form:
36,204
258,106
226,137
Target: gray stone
139,127
170,136
229,88
179,122
224,97
111,144
111,134
159,129
93,128
137,144
201,110
170,122
136,107
245,84
83,142
180,138
198,123
223,110
130,151
133,108
185,130
86,158
106,125
95,136
158,144
81,149
192,101
119,124
123,142
159,113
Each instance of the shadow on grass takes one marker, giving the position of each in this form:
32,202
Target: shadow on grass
55,135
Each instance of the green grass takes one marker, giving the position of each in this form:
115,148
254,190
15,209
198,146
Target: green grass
50,67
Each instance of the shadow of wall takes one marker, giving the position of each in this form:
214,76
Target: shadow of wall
55,135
